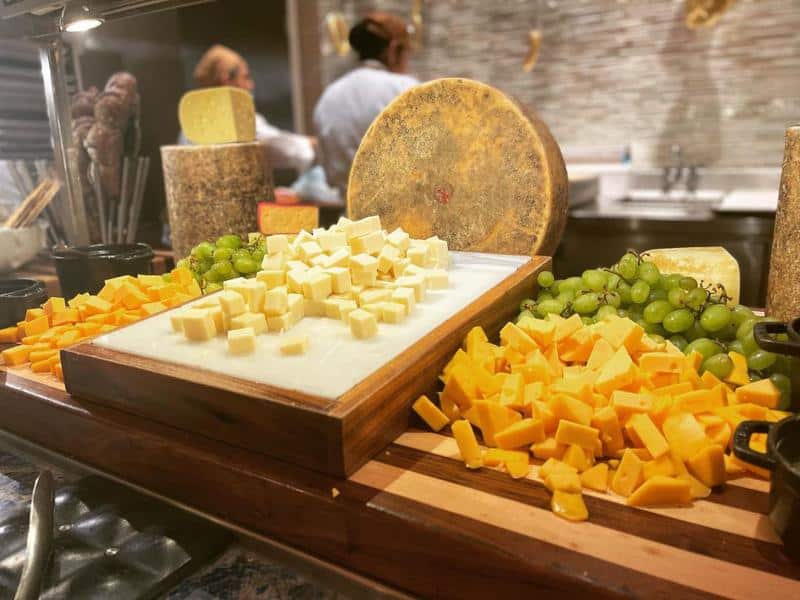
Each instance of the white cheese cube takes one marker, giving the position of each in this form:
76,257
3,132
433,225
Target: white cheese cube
364,278
437,249
399,239
296,265
207,302
413,270
387,257
294,345
363,324
392,312
365,226
320,260
277,243
417,255
232,303
218,317
317,286
296,304
276,302
373,295
302,236
334,306
271,279
317,231
436,279
309,250
406,297
340,279
232,283
255,320
242,341
313,308
176,320
399,267
280,323
294,281
339,258
346,308
375,308
198,325
415,282
330,241
255,294
363,263
274,262
370,243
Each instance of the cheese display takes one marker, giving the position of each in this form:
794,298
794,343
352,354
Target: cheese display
275,218
298,276
460,159
605,405
218,115
709,264
122,300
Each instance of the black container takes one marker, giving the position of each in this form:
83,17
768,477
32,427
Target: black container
85,268
783,459
764,331
17,296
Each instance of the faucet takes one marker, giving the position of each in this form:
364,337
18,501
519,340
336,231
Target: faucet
674,173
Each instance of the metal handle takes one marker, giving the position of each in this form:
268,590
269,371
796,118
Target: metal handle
40,538
763,332
741,443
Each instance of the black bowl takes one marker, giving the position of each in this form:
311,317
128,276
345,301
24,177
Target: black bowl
17,296
85,269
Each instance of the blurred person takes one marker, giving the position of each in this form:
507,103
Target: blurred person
348,106
286,150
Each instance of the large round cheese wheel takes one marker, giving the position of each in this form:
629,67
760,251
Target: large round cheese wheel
460,159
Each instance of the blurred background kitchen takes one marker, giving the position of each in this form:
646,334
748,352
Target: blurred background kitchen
670,113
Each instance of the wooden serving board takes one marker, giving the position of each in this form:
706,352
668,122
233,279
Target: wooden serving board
415,518
334,435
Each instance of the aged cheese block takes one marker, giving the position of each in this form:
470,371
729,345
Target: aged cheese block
218,115
459,159
783,290
276,218
213,190
709,264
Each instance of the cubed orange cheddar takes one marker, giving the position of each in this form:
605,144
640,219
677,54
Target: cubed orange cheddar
54,305
662,465
662,491
429,413
36,325
8,335
461,388
67,316
702,400
628,403
44,366
629,475
494,417
685,434
571,409
569,433
467,444
569,506
513,336
16,355
522,433
40,355
661,362
580,458
542,332
33,313
708,466
618,372
549,448
596,478
152,308
68,338
606,421
762,392
621,333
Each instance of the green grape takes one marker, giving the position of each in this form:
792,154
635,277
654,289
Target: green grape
604,311
696,298
232,241
677,297
715,317
246,265
679,341
223,269
545,279
749,344
544,296
613,281
573,283
640,291
735,346
211,277
241,253
622,313
203,250
695,331
204,265
754,376
658,285
628,266
586,303
784,384
740,314
555,288
587,320
212,287
719,365
671,281
657,294
223,253
257,255
549,306
706,347
678,320
653,328
760,360
612,299
593,279
649,272
566,297
727,333
745,328
529,304
624,291
656,311
688,283
524,314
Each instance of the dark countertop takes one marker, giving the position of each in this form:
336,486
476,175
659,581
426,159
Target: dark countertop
239,572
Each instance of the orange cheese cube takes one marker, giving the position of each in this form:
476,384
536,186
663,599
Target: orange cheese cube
33,313
534,368
58,371
596,478
467,444
629,475
134,298
739,374
621,333
152,308
709,381
45,365
54,305
628,403
570,433
429,413
602,352
578,457
548,449
673,389
16,355
513,336
540,331
606,421
708,466
8,335
685,435
662,491
181,276
762,392
659,466
461,388
571,409
494,417
661,362
95,306
569,506
36,325
649,434
67,316
68,338
566,327
522,433
578,346
618,372
702,400
40,355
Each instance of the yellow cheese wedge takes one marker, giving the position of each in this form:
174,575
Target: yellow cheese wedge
565,481
540,331
649,435
569,506
708,466
712,264
659,466
577,457
662,491
629,475
218,115
596,478
762,392
575,433
553,465
430,413
685,435
571,409
521,433
548,449
467,444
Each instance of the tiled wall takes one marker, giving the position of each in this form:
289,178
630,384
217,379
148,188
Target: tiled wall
614,73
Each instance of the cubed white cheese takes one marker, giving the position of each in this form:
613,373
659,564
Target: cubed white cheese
280,323
198,325
330,241
274,262
257,321
387,257
339,258
313,308
295,280
340,279
276,302
296,307
271,279
232,303
370,243
309,250
375,308
277,243
399,239
415,282
296,265
406,297
294,345
333,307
255,294
436,279
175,320
363,324
373,295
218,317
392,312
363,263
242,341
317,286
417,255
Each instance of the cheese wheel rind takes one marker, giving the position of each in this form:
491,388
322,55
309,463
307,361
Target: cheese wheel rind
462,160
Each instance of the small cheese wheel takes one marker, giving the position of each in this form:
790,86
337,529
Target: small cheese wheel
218,115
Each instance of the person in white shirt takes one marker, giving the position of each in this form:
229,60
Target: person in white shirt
285,150
348,106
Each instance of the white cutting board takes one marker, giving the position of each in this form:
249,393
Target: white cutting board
335,361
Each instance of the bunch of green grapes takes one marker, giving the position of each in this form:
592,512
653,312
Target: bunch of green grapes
211,263
692,315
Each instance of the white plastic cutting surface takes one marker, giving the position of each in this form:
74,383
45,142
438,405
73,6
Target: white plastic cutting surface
335,361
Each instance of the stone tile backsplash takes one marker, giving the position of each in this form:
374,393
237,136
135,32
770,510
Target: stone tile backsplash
613,74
